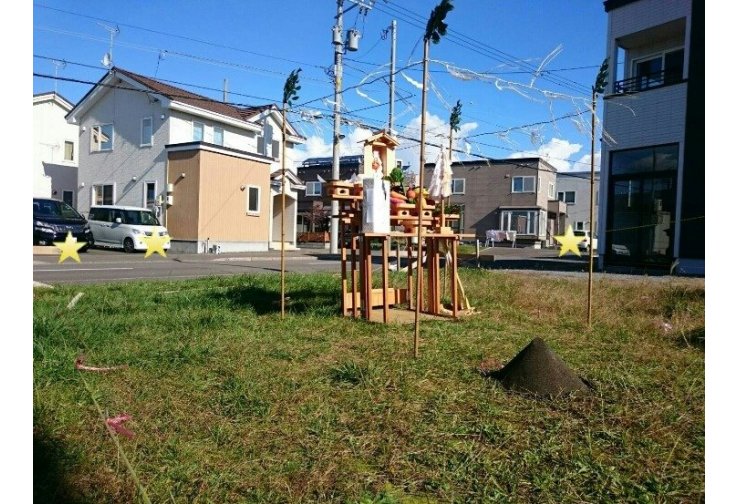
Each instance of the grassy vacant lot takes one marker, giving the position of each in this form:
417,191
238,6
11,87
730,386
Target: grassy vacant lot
231,404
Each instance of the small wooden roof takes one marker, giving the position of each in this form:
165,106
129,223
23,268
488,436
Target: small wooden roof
381,138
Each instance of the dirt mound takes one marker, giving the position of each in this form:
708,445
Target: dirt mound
538,370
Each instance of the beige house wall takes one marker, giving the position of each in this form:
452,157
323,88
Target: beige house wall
182,216
222,210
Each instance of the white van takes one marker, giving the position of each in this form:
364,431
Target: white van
124,226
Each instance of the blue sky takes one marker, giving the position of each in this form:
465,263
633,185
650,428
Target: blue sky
256,44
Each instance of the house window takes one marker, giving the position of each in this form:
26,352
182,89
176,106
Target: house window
275,149
523,184
68,197
260,145
217,135
102,194
579,226
458,225
198,131
654,71
567,197
147,131
68,151
313,189
253,203
149,194
458,186
551,190
102,138
524,222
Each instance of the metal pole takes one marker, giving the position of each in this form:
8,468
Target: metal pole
418,304
336,128
591,209
391,77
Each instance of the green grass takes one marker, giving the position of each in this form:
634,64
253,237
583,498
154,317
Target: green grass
231,404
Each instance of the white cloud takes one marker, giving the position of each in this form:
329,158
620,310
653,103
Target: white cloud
556,152
585,162
436,132
317,146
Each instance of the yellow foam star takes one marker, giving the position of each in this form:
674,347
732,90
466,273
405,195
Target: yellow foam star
69,248
155,243
569,241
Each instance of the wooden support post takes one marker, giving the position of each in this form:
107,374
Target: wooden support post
436,276
410,284
385,275
354,274
399,262
454,276
368,283
343,272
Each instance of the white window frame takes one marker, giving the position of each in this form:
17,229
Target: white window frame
312,184
564,197
276,153
256,212
68,142
453,186
523,177
533,219
654,55
202,139
551,190
99,128
151,138
93,194
145,187
215,130
579,226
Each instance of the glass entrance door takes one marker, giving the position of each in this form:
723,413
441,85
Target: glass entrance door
641,219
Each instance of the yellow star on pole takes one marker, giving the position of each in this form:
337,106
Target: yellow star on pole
569,241
155,243
69,248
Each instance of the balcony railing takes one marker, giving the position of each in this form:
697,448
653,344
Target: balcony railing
648,81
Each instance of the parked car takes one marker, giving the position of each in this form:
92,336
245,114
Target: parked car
53,219
584,244
124,226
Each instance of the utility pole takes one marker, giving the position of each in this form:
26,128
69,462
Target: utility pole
391,76
596,90
338,69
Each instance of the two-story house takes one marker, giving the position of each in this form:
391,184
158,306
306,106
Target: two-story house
211,170
574,188
507,195
54,149
652,176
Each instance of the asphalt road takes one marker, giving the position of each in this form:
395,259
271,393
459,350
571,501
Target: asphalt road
101,265
98,266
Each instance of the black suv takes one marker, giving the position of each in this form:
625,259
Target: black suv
53,219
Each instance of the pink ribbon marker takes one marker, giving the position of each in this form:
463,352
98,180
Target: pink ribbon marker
117,424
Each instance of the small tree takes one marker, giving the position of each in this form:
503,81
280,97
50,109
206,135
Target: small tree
317,218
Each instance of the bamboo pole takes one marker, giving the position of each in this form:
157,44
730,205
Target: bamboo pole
283,202
420,198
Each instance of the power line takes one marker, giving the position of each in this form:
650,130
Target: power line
175,35
158,50
479,47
